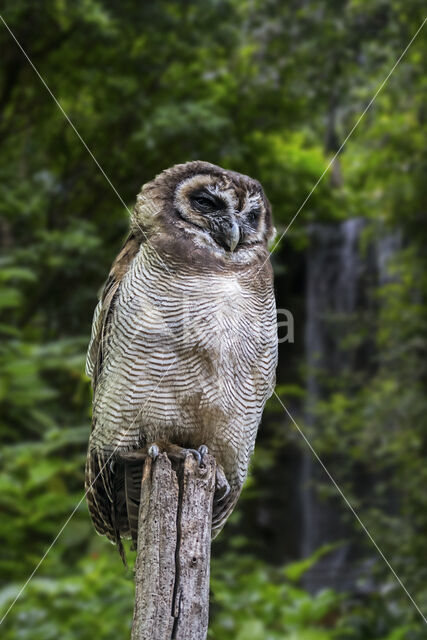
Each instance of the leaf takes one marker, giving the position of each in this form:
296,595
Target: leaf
17,273
10,298
296,570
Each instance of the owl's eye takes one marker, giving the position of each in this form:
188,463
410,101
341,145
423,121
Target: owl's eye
205,202
254,215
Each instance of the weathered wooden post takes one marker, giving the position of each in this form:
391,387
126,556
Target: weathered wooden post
173,555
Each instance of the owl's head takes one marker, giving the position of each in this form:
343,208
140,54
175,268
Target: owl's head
222,210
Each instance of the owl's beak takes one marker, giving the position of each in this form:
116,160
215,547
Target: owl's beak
232,236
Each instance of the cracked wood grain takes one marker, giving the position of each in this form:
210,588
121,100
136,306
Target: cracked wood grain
173,558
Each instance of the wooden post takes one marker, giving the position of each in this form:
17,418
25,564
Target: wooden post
173,557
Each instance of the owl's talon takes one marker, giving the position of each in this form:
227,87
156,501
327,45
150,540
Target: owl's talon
196,454
203,450
113,466
153,451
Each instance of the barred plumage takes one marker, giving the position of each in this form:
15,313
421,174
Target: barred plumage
183,347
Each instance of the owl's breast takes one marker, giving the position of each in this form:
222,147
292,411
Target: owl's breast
210,318
187,349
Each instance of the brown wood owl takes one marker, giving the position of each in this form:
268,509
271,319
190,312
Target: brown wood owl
184,343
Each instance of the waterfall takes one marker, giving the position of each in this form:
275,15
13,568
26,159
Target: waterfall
335,271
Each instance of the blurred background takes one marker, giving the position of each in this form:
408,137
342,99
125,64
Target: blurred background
270,89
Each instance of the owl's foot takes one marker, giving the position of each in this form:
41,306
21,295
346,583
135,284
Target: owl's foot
222,487
177,453
197,453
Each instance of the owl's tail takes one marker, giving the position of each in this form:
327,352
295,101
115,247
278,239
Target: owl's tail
132,482
103,499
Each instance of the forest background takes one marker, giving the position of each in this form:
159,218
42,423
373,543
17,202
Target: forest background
270,89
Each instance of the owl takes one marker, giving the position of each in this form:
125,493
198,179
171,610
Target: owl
183,348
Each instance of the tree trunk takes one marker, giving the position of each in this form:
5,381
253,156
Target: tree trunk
173,557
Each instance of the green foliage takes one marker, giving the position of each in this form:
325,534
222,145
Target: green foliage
249,600
270,89
254,601
96,600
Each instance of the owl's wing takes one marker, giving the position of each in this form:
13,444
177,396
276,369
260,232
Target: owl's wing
101,493
102,315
